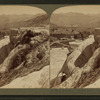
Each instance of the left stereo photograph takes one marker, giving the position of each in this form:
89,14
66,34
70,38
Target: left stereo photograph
24,47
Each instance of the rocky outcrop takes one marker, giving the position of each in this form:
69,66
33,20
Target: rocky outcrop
82,77
79,77
30,54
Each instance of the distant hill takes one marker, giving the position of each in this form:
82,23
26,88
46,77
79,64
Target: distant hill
15,21
37,21
5,20
82,20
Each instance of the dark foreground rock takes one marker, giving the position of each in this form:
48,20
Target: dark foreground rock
29,54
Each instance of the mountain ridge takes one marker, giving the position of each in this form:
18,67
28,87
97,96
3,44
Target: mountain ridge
80,19
13,23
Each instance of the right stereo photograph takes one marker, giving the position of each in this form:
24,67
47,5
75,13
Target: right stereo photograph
75,47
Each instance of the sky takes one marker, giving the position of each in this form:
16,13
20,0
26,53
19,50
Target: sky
15,9
85,9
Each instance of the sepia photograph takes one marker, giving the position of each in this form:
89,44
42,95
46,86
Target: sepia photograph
75,47
24,47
